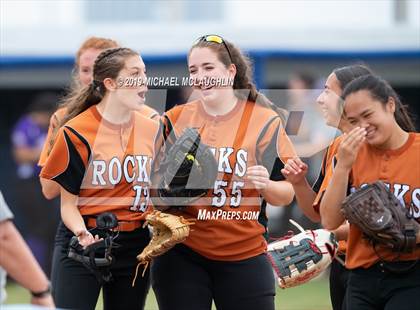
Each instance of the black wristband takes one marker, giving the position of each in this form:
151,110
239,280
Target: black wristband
42,293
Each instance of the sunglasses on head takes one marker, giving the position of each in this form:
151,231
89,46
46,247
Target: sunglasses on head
215,39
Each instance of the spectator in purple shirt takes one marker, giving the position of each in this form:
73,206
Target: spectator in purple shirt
36,217
29,134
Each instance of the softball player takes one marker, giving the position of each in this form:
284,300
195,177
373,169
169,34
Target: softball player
295,170
82,76
223,258
102,160
383,146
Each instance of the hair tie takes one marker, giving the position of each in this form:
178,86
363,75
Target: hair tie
95,85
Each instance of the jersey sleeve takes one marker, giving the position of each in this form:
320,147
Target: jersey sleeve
324,185
317,202
323,179
68,160
47,144
317,185
327,170
274,148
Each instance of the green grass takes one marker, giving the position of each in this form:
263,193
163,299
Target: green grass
311,296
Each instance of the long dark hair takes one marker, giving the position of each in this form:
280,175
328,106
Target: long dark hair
380,90
348,73
230,54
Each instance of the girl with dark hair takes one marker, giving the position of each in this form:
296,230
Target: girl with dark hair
224,258
295,170
82,76
382,146
102,160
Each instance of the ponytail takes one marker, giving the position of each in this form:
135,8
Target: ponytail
77,101
108,64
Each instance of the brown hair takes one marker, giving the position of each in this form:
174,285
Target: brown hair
108,64
229,54
348,73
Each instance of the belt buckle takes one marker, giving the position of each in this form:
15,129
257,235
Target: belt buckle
126,226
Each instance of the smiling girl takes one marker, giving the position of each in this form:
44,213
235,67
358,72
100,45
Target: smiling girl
224,258
102,159
295,170
383,146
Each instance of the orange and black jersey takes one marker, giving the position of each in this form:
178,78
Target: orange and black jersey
327,169
248,135
399,169
108,166
320,186
58,115
55,120
149,112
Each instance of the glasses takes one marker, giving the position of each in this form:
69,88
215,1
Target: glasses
215,39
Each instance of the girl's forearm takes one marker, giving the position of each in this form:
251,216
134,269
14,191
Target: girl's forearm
335,193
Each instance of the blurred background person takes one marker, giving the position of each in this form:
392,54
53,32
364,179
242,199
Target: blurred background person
307,130
305,118
37,217
29,134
